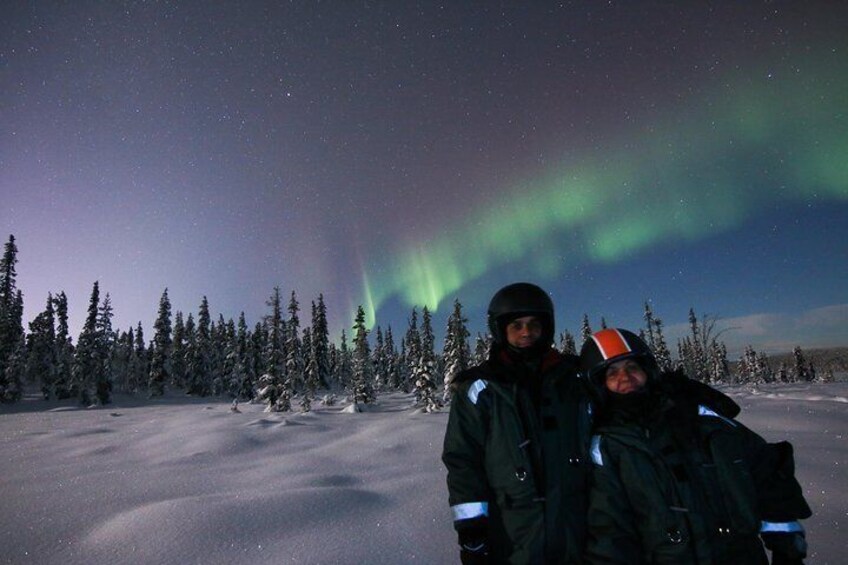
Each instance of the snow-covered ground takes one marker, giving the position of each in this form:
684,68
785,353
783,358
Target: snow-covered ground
185,480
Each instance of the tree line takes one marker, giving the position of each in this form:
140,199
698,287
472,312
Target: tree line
287,365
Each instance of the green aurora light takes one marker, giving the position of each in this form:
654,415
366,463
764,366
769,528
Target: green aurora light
707,170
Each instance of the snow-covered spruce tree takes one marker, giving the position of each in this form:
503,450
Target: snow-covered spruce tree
425,375
405,382
649,338
141,358
748,373
108,337
15,368
321,341
661,351
310,372
246,353
178,345
233,365
41,350
412,340
455,352
259,346
128,363
294,348
783,373
88,362
190,344
378,361
64,349
719,367
273,389
200,349
566,344
482,346
697,355
585,330
121,352
11,326
393,375
362,367
344,365
160,356
653,336
217,346
800,368
763,368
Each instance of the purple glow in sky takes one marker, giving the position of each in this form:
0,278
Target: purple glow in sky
394,154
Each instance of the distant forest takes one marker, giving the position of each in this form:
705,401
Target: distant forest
288,365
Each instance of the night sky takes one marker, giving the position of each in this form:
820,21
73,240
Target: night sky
398,153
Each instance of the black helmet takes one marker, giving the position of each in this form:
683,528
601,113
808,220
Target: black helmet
610,346
518,300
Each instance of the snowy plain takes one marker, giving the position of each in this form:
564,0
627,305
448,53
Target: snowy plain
186,480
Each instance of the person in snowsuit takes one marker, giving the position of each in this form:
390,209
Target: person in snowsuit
675,481
516,444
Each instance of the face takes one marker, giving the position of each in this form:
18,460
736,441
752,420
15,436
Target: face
524,332
624,377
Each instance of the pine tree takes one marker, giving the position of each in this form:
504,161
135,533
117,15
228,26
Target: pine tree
141,366
120,361
274,389
246,353
88,364
294,348
190,340
11,327
219,337
106,344
413,347
783,373
764,368
362,369
456,353
321,341
41,350
800,368
585,329
344,365
748,370
310,372
178,346
567,345
603,323
378,361
393,375
661,351
424,376
719,366
160,357
198,364
64,349
482,346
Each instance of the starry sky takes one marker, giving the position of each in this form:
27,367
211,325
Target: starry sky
393,154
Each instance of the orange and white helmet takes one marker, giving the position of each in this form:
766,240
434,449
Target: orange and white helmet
610,346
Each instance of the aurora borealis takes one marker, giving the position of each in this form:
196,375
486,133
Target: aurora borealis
391,156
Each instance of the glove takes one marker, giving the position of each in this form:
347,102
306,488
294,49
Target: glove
474,544
787,548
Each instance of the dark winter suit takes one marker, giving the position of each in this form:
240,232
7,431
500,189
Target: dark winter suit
675,482
516,451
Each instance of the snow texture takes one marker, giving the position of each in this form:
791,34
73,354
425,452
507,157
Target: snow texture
187,480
